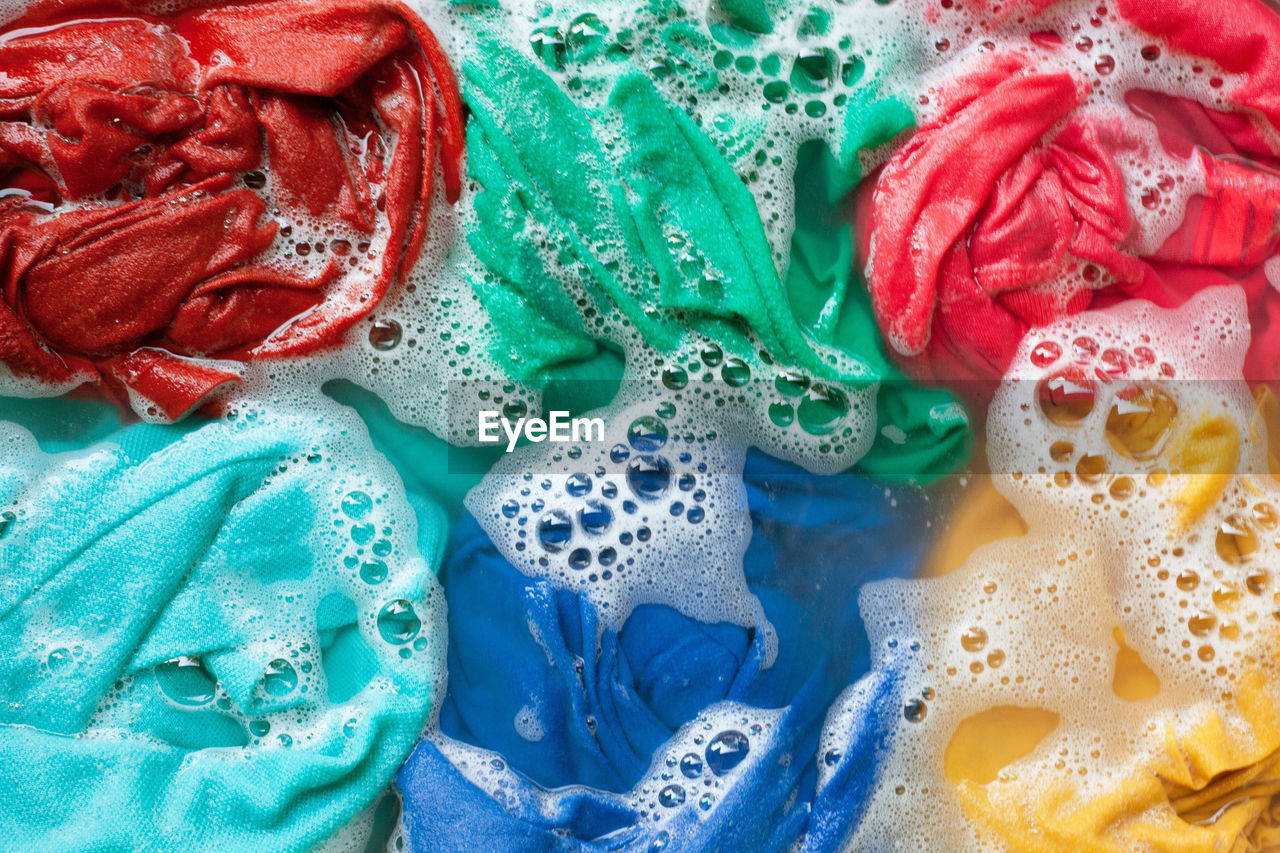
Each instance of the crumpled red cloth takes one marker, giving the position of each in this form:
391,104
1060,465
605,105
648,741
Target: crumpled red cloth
151,168
1014,184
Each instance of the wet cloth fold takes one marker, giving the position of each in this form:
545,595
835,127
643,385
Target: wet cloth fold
539,686
239,617
1210,786
203,187
627,219
1007,208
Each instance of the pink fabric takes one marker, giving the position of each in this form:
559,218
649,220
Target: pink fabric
993,199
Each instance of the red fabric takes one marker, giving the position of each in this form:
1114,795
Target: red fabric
1012,187
1242,36
131,242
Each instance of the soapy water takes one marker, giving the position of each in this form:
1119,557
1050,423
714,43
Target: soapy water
656,512
686,780
431,336
370,526
431,341
324,633
1165,558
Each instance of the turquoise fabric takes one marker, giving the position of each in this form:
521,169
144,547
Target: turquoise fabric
237,552
436,475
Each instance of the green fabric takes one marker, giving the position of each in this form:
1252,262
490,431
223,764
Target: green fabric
229,541
682,186
542,171
751,15
829,298
660,225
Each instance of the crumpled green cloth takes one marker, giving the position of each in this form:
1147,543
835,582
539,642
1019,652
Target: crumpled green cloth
213,636
621,219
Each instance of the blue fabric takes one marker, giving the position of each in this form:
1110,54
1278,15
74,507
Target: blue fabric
840,803
606,706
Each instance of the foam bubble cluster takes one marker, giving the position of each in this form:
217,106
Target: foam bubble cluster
291,615
684,785
656,511
1060,668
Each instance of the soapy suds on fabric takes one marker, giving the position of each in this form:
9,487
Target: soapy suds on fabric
1138,546
699,763
360,566
367,559
1087,562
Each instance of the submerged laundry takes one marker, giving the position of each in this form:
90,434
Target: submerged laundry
1101,677
722,225
218,184
218,636
656,228
1221,792
538,683
1014,203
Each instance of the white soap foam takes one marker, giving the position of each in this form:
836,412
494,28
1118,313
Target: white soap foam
364,549
1112,545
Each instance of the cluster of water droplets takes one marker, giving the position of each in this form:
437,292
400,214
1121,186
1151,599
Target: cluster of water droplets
649,514
701,762
758,88
655,510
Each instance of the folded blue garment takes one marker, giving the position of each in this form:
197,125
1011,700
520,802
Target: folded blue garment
857,738
213,636
541,688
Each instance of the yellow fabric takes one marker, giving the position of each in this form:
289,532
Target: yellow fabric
991,740
1205,456
1209,791
1265,425
984,515
1213,789
1132,680
1138,429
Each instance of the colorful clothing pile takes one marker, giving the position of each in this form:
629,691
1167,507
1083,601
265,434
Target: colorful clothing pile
798,261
